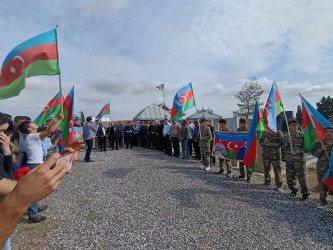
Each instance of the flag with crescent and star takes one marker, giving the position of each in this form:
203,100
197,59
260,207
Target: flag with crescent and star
66,126
36,56
230,145
272,109
184,100
104,111
52,107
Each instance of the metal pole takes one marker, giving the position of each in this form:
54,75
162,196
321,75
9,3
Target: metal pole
285,117
60,85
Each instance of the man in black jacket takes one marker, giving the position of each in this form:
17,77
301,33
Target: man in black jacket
114,135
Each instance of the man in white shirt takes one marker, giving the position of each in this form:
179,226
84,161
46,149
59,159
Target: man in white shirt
33,147
166,139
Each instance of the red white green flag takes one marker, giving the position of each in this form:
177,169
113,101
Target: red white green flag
36,56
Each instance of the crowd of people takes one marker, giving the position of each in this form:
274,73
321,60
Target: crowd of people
196,141
25,145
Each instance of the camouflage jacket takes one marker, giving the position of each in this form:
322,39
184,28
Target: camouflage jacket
322,162
244,130
276,141
225,130
298,147
206,136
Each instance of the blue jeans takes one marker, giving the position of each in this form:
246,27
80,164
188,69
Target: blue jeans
33,209
184,143
7,245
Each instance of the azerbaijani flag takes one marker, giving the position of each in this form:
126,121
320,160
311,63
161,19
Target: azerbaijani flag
184,100
229,145
53,106
161,87
66,126
272,109
36,56
105,111
328,178
312,120
251,147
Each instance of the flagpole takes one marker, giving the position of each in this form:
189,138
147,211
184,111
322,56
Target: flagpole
60,85
194,99
285,116
313,124
164,93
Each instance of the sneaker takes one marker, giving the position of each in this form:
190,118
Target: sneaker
203,167
207,168
292,193
241,177
220,171
321,205
40,209
36,219
249,181
228,175
266,184
279,189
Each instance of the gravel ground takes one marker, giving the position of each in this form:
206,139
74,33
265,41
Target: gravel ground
143,199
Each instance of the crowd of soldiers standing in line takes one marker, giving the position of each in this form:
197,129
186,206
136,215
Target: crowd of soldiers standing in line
197,141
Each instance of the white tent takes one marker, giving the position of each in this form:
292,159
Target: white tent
152,112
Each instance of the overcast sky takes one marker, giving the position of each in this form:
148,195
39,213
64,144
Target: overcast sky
118,51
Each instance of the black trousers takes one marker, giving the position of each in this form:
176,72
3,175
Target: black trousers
128,139
102,143
175,145
167,145
190,143
89,145
196,149
113,141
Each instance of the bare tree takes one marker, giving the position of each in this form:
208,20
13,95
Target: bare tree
251,91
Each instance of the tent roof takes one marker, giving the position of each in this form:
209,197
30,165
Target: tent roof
204,113
152,112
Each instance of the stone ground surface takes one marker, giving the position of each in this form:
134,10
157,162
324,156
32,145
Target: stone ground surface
143,199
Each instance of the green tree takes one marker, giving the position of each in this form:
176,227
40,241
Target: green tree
251,91
82,118
299,115
325,106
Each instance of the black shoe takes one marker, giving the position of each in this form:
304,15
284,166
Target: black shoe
117,148
305,197
40,209
104,149
241,177
89,161
292,193
36,219
220,172
184,157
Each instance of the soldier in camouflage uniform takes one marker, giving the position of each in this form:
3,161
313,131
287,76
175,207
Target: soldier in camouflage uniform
244,129
223,128
322,165
204,144
296,160
271,154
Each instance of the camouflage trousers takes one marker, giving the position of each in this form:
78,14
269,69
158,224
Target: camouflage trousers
226,163
277,171
299,170
205,155
323,189
242,171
